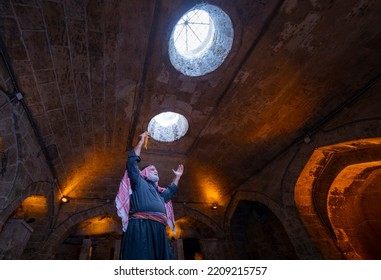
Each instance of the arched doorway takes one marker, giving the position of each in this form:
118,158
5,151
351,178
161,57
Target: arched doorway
257,233
337,196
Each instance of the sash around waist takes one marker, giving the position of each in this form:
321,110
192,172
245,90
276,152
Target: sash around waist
155,216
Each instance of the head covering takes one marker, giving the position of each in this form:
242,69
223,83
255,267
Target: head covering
145,173
122,201
144,167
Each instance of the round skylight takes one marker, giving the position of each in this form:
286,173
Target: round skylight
168,127
201,40
194,33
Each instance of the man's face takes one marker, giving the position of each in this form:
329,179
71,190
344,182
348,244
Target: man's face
152,173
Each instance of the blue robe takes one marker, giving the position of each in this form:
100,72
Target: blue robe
145,239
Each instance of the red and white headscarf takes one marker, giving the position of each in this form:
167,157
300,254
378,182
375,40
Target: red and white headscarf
122,201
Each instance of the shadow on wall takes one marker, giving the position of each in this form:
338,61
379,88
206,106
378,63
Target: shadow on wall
257,233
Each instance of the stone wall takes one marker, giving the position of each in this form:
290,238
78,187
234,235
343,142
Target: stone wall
358,120
23,165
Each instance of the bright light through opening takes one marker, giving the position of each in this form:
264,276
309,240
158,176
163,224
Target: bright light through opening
201,40
168,127
194,32
166,119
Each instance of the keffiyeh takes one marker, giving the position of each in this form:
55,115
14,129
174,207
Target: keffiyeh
122,201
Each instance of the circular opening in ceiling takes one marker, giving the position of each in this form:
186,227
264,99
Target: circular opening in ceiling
201,40
168,127
194,33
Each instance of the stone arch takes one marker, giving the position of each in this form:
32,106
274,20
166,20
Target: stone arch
10,149
316,179
63,230
218,231
37,188
353,210
21,178
331,135
290,222
251,196
197,231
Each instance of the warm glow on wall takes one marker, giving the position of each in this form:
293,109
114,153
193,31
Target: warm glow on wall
346,210
34,206
209,184
171,234
95,165
211,192
98,225
348,175
183,228
36,202
329,191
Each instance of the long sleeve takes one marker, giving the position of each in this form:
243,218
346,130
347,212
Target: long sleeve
133,169
169,192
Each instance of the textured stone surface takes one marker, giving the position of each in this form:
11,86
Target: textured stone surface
93,74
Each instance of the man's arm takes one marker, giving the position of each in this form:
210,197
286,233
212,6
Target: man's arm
138,147
133,159
178,173
172,188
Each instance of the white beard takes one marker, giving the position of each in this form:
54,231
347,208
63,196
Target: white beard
153,178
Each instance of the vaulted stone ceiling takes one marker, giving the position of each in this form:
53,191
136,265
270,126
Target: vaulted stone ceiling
93,74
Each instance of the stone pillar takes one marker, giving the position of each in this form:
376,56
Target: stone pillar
212,249
180,249
85,253
117,249
14,238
